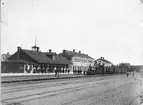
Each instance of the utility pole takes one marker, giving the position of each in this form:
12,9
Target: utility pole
35,40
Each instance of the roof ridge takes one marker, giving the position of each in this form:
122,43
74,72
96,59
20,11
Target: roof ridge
41,57
104,60
78,54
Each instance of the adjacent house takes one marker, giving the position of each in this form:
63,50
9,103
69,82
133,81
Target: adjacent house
4,57
103,61
80,61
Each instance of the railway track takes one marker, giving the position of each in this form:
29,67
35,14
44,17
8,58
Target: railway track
51,84
52,93
97,97
137,98
38,86
65,90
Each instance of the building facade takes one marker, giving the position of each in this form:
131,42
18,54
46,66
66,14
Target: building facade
104,62
80,61
62,64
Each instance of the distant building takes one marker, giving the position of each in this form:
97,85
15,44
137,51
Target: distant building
103,61
124,65
137,68
80,61
141,68
4,57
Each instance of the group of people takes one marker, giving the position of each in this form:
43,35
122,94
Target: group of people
57,71
43,69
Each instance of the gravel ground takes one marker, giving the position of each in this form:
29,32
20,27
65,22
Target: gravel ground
119,91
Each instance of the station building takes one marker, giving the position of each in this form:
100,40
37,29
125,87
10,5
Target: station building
33,61
80,61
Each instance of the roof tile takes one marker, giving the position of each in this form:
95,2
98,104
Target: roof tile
71,53
38,56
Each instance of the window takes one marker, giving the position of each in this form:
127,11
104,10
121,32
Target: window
77,60
84,61
89,61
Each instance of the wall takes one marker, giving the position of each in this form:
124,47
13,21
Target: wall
82,63
12,68
102,62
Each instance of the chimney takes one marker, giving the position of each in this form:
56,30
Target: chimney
79,51
50,50
73,50
18,48
8,53
64,51
18,54
37,49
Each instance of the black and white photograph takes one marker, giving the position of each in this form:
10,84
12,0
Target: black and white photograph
71,52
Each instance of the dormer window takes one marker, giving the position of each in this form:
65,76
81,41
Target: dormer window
53,57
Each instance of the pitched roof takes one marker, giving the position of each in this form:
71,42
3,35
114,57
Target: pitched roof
104,60
38,56
61,60
50,53
71,53
58,58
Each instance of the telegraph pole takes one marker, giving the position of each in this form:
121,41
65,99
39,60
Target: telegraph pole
35,40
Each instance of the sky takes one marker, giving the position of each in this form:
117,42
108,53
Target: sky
108,28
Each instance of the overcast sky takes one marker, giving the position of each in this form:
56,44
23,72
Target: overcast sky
108,28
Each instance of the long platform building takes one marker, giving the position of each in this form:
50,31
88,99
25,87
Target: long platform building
34,61
80,61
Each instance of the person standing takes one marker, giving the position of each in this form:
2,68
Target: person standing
127,75
55,71
68,70
134,77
